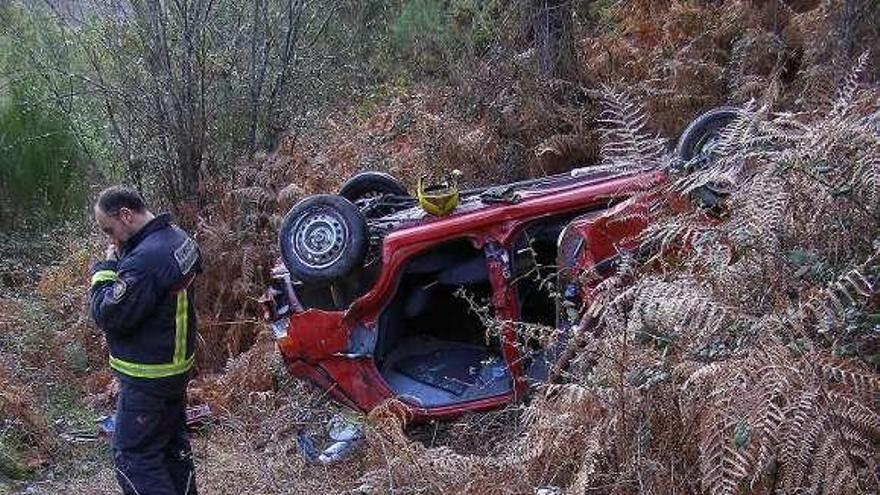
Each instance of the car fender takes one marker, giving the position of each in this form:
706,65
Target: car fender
314,335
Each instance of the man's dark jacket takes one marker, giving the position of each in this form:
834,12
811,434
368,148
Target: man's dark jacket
143,302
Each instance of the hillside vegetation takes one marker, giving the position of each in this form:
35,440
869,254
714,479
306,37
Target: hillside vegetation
741,358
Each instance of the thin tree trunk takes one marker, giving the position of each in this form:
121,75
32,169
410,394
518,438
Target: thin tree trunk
551,28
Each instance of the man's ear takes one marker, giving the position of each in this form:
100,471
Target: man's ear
126,215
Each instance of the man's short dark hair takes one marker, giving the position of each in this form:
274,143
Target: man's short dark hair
112,199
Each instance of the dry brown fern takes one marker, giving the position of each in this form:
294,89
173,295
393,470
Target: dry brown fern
771,410
767,421
825,310
627,143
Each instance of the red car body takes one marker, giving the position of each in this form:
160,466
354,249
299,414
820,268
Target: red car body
327,346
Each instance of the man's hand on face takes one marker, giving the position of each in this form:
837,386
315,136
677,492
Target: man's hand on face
111,254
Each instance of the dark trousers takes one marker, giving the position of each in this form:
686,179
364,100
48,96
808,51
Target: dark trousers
150,445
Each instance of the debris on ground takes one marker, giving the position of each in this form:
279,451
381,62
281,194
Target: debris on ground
344,434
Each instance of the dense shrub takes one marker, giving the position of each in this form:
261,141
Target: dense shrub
42,174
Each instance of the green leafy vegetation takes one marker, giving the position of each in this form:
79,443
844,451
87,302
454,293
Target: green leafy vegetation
12,465
50,135
42,177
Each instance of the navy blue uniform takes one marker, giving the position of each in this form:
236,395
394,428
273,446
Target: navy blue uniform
144,304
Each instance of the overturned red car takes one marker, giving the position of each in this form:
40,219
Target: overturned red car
378,299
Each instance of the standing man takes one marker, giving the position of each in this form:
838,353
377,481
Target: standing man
142,298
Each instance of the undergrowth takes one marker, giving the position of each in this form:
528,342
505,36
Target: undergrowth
765,379
742,359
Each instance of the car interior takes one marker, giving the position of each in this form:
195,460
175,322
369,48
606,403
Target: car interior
434,345
535,278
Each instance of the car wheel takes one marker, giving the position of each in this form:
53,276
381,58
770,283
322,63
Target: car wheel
701,136
369,185
323,238
696,147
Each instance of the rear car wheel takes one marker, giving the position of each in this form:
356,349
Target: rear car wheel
696,149
323,238
369,185
700,137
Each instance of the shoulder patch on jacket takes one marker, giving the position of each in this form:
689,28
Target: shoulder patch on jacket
186,255
119,288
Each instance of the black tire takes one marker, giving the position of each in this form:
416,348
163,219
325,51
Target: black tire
702,130
692,150
323,238
370,184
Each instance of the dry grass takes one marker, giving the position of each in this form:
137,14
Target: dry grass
745,362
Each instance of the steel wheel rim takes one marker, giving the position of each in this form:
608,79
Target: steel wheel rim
319,237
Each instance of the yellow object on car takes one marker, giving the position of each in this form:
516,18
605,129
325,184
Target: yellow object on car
440,199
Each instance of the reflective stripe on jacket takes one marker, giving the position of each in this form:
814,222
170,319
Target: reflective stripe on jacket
144,302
